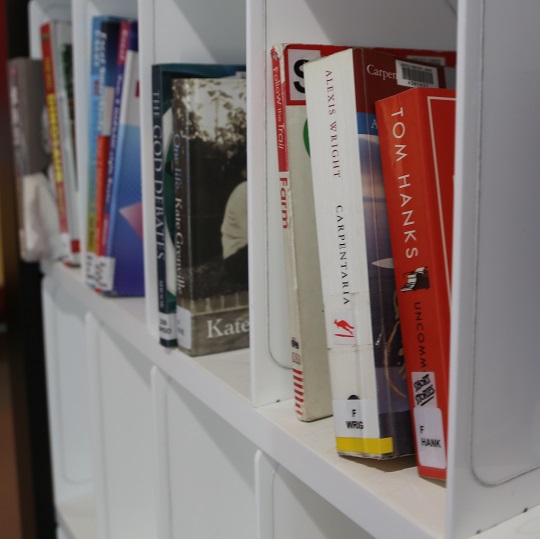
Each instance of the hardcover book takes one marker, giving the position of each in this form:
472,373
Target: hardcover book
416,130
54,35
369,390
37,214
209,122
124,259
162,77
311,377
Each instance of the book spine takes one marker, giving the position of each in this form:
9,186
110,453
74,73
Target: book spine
337,180
55,142
161,137
181,142
293,300
63,72
417,171
311,378
98,44
106,262
125,241
107,79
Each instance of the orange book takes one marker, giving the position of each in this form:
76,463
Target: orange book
416,130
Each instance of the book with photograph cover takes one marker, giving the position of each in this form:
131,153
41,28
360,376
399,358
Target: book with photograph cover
209,148
369,389
162,77
36,201
416,130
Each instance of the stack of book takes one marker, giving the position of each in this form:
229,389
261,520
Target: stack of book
352,185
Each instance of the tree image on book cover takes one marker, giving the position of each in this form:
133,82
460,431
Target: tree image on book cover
211,214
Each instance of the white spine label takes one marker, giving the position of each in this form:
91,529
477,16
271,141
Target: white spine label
428,421
356,418
167,326
104,273
183,318
430,437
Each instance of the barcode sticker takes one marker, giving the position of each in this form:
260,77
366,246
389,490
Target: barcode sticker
416,76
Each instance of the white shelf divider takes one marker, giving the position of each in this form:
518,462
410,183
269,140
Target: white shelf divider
77,518
67,393
41,11
494,454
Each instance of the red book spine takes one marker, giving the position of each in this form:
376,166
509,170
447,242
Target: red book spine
102,156
416,130
54,128
311,384
280,99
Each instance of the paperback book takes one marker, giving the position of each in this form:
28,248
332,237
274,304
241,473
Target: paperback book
162,78
416,130
209,148
97,52
55,35
110,32
125,36
311,378
123,258
369,389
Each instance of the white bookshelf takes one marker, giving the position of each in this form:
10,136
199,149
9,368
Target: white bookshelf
173,446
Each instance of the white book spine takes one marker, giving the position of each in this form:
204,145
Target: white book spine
332,121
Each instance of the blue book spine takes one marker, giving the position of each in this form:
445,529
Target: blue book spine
125,241
126,27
